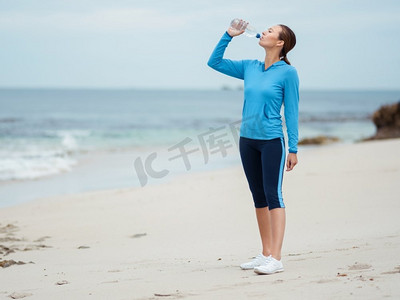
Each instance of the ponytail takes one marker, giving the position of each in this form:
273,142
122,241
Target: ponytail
289,38
284,58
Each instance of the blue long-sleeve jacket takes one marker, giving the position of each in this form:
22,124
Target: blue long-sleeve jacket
264,93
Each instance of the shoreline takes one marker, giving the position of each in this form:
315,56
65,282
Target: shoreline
185,238
105,170
86,174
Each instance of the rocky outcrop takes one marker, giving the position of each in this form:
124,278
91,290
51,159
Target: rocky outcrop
387,122
318,140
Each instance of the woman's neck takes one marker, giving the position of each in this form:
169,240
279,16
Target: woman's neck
270,59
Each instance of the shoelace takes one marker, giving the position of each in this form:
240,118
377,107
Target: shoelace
261,257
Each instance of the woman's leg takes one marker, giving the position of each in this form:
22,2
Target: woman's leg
252,166
273,162
264,226
278,220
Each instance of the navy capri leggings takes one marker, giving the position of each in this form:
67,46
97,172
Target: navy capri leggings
263,163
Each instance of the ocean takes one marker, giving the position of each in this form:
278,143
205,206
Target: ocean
48,133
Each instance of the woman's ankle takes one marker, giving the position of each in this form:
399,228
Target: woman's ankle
266,253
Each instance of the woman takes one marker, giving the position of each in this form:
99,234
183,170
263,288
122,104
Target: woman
267,86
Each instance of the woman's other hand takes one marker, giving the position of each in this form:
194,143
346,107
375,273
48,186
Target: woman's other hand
291,161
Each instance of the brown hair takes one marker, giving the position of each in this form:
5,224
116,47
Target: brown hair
287,35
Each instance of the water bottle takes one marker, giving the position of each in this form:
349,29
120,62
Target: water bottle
249,31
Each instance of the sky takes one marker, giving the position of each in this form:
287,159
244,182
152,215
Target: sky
158,44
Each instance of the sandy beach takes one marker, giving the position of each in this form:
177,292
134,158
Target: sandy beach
185,238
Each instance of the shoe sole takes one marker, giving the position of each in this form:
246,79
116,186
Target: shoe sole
269,273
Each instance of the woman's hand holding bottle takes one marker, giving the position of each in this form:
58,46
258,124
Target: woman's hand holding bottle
237,27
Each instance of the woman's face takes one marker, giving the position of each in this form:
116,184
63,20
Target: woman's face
270,37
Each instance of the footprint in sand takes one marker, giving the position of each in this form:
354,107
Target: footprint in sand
138,235
395,271
83,247
8,229
42,239
112,281
177,294
19,295
358,266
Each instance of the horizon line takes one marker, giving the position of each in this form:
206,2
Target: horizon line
222,88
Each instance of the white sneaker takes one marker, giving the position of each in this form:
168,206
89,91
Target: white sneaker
259,260
273,266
